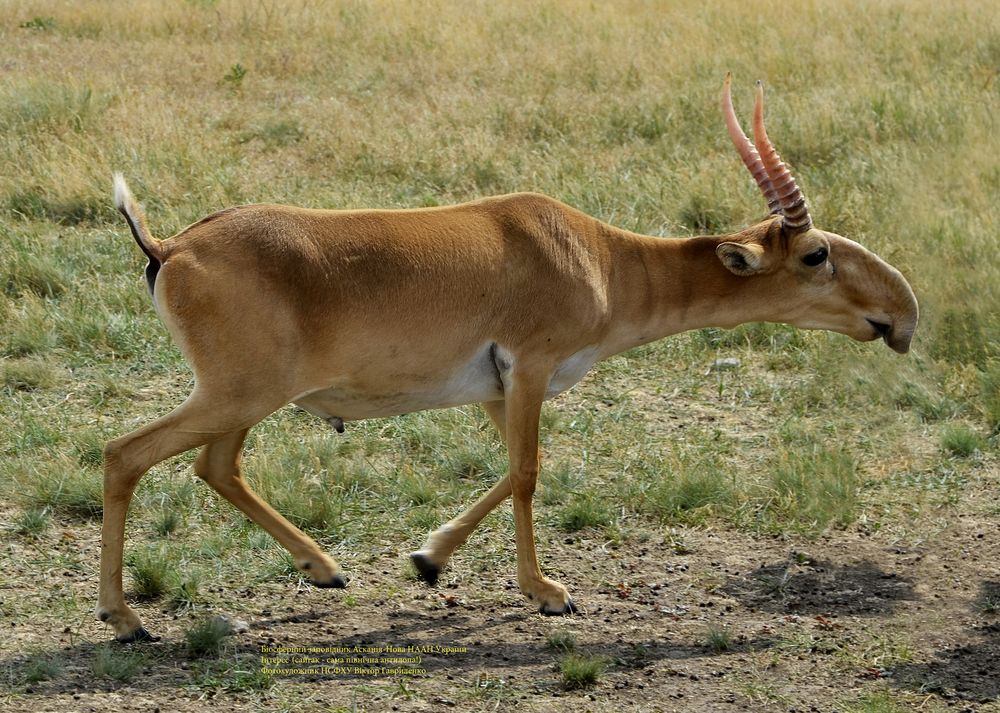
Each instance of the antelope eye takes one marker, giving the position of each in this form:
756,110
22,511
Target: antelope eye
815,258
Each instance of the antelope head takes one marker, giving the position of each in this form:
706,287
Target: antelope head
839,285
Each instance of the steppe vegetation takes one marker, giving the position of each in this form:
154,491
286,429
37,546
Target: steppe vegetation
816,527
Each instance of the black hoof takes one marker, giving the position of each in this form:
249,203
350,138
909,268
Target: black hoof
426,569
339,581
136,636
569,608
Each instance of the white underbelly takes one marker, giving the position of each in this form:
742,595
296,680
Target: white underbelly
479,380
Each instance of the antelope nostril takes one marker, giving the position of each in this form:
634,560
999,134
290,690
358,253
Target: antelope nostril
880,327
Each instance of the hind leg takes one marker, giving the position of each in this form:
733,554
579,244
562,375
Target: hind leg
126,460
194,423
218,464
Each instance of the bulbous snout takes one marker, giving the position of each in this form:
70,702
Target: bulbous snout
897,338
899,325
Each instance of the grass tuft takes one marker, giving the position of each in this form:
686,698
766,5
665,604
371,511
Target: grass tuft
810,490
32,522
583,511
581,670
876,702
151,573
561,640
718,639
42,667
29,272
62,486
205,637
961,441
118,663
30,374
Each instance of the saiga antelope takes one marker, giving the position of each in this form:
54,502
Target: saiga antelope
505,301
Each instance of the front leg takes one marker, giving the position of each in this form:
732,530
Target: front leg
430,559
525,391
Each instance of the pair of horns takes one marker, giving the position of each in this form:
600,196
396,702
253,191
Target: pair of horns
772,175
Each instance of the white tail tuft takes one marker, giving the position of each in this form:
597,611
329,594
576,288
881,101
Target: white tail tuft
123,196
136,219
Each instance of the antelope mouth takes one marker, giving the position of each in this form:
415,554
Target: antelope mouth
898,341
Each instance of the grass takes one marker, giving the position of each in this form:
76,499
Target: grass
151,573
718,638
561,640
581,670
586,510
877,702
961,441
887,117
32,522
206,636
42,667
117,663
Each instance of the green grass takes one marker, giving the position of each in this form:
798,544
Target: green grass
581,670
561,640
58,484
877,702
811,490
151,573
118,663
583,511
718,638
32,522
206,636
961,441
42,667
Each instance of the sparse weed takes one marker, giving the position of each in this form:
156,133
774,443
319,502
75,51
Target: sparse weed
40,23
493,688
185,589
875,702
166,522
249,677
234,77
559,482
561,640
989,599
718,638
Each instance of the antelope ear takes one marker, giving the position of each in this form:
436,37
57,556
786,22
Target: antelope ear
740,258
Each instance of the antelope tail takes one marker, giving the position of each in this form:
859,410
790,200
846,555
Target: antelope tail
128,206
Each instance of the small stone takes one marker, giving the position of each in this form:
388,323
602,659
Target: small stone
724,364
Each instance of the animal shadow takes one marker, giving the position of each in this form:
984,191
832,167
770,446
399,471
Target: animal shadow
969,672
821,587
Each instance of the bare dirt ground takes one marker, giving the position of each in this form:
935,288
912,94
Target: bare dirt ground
814,626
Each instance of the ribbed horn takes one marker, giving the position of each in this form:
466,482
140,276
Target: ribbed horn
793,203
751,159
